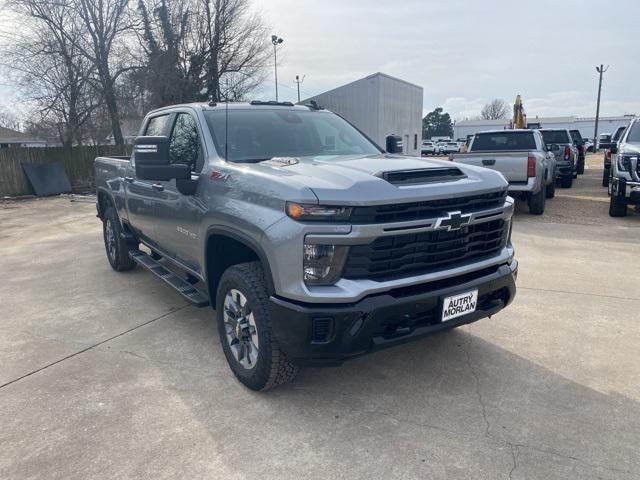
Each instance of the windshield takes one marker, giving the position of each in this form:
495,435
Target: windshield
618,133
555,136
261,134
503,141
634,133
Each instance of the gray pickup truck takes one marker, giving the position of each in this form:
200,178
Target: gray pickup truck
311,243
521,157
624,179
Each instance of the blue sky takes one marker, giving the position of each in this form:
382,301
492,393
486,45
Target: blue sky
465,53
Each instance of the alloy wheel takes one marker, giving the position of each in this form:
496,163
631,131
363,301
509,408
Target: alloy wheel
240,329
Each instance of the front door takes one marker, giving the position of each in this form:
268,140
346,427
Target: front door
179,216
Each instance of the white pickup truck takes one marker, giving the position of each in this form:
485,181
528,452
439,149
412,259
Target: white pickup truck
522,157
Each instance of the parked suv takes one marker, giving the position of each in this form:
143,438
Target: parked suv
428,148
566,154
625,171
311,243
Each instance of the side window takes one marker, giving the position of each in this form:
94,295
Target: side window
157,126
184,144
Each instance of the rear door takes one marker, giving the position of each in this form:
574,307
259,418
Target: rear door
506,152
142,195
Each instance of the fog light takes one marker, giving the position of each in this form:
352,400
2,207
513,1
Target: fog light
322,264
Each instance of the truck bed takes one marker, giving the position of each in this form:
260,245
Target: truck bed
512,164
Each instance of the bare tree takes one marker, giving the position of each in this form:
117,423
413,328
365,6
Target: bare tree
48,67
9,120
106,24
236,48
497,109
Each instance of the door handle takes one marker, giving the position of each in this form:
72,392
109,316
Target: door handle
157,186
128,179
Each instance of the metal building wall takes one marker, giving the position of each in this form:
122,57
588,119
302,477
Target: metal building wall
379,105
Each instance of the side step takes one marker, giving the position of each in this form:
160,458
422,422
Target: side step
189,292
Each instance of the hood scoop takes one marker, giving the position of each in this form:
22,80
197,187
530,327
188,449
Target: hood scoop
422,176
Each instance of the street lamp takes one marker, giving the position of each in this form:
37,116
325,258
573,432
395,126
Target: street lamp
276,41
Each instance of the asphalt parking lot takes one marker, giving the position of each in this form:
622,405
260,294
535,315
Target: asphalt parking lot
112,375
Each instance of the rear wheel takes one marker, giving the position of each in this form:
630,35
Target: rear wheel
244,326
115,245
581,167
605,177
537,202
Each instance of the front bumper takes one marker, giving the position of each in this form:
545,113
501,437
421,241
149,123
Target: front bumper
628,189
328,334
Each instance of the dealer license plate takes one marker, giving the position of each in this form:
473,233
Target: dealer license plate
458,305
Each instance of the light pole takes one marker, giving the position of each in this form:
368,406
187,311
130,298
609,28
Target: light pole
276,41
600,70
299,81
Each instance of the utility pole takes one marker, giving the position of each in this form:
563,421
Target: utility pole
276,41
299,80
600,70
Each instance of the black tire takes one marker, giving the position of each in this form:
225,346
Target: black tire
605,177
271,367
536,202
566,181
617,206
550,190
116,247
581,167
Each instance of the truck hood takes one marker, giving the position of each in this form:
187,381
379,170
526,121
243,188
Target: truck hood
358,180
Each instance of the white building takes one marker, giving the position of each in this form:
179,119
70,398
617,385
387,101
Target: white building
379,105
12,138
586,125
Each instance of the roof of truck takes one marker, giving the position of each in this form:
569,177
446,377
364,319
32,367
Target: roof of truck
254,104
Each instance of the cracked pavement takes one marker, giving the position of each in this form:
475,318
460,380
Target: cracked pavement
107,375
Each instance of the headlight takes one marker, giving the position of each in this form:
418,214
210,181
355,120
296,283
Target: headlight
322,264
317,213
624,162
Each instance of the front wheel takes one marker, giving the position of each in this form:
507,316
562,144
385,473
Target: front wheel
617,206
244,326
566,181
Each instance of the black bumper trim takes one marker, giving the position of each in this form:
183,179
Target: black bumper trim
383,320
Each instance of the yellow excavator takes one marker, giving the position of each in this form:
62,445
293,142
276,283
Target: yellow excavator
519,117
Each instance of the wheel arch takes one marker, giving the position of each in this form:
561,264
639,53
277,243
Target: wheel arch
225,247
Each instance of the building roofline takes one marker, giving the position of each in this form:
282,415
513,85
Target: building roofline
368,77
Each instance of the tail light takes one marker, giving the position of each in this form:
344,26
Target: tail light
580,149
531,166
567,152
609,154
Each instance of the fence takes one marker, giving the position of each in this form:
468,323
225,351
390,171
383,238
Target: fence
77,161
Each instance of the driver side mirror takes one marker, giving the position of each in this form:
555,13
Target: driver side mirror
394,144
152,160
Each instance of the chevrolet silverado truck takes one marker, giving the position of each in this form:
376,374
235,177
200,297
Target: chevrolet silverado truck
521,157
625,171
312,244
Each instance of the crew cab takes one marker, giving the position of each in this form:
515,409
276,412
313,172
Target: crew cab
521,157
566,154
625,171
311,243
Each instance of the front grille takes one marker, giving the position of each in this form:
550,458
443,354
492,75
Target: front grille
397,256
404,212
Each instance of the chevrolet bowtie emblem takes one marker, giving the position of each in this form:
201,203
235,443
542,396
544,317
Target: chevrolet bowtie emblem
453,221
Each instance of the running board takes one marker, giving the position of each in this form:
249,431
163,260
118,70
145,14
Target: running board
192,294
